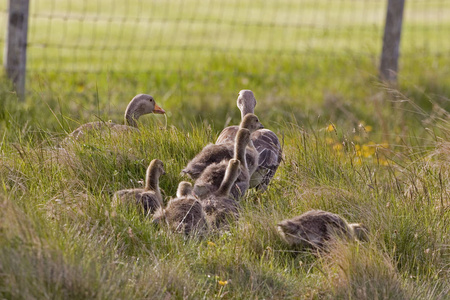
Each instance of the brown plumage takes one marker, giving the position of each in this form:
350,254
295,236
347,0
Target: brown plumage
184,189
266,143
220,207
149,198
212,153
140,105
316,228
212,177
183,214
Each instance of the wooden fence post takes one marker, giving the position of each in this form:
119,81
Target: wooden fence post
15,57
391,41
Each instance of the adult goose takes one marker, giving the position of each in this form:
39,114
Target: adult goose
220,207
183,214
211,178
140,105
265,141
213,153
149,198
316,228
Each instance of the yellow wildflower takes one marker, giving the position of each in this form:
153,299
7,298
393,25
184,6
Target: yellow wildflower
337,147
331,128
368,128
367,151
211,244
80,87
223,282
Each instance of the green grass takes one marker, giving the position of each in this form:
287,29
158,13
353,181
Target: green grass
352,146
60,236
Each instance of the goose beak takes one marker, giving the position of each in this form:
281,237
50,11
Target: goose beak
158,110
261,126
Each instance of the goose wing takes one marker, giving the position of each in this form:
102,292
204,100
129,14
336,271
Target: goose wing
210,154
227,135
270,154
98,128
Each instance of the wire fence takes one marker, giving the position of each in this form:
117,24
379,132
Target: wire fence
136,35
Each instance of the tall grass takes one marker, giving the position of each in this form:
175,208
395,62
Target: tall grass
60,238
369,152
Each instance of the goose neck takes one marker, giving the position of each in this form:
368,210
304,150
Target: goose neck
131,116
240,152
246,110
227,183
152,181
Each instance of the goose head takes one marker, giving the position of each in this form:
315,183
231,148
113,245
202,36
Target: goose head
246,102
251,122
157,166
360,231
140,105
233,169
184,189
289,231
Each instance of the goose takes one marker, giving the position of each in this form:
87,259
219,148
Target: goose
213,153
212,177
184,189
140,105
149,198
183,214
315,228
220,207
265,141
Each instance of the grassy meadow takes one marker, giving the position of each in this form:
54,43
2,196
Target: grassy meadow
371,152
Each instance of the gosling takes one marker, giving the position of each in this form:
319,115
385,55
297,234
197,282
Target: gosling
317,228
213,153
183,214
149,198
220,207
212,177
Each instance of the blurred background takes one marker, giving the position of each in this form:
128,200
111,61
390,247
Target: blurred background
302,58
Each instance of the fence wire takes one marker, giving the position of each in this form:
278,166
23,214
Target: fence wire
138,35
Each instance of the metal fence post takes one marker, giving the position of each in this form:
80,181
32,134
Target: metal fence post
391,41
15,57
